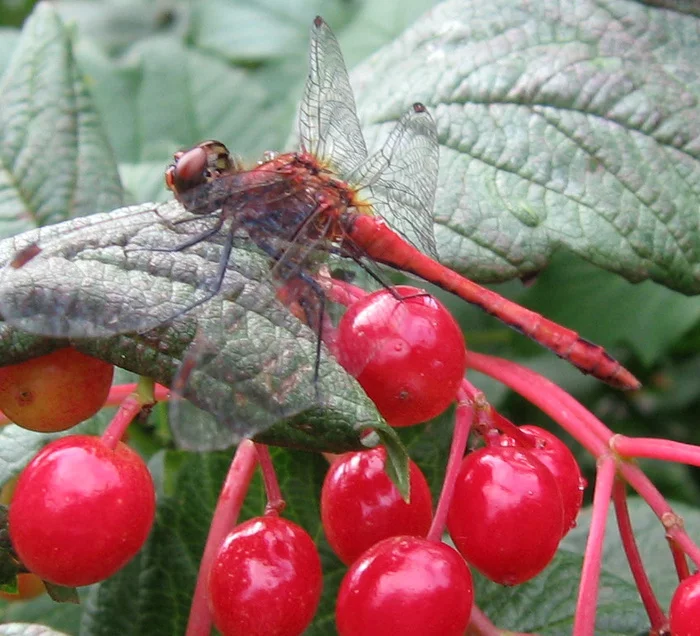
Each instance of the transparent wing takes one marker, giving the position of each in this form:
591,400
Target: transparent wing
400,179
125,271
84,282
254,364
248,368
328,124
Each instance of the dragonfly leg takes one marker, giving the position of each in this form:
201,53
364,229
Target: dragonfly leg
211,291
192,240
377,277
314,316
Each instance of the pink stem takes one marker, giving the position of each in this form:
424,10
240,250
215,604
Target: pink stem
119,391
463,420
130,407
480,624
483,423
675,531
679,560
548,397
504,425
227,510
275,501
624,524
662,449
344,293
584,619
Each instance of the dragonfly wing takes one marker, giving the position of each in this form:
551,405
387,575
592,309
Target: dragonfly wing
328,124
100,275
254,363
400,179
249,369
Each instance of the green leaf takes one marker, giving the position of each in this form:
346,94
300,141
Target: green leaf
397,466
571,127
54,159
650,537
8,43
117,24
47,616
546,604
164,96
257,32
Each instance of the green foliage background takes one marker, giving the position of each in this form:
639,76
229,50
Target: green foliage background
570,159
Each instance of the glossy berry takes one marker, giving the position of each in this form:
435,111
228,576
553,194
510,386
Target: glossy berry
56,391
407,586
408,354
684,613
556,456
81,510
360,505
506,517
266,579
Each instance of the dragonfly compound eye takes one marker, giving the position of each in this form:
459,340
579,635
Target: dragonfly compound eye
189,170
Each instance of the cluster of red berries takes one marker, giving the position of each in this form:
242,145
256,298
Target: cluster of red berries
82,508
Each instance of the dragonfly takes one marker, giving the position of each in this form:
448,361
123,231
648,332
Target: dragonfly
377,208
330,197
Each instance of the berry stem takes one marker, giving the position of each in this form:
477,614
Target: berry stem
504,425
483,422
119,391
141,397
275,502
227,510
343,293
570,414
679,560
669,519
480,625
464,416
624,524
584,618
663,449
130,407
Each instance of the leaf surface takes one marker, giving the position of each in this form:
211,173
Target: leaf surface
571,126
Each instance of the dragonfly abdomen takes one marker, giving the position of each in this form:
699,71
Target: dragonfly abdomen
384,245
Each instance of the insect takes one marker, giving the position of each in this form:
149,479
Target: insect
329,197
331,193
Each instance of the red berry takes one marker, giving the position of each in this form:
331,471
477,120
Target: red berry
556,456
408,353
56,391
266,579
684,613
408,586
81,510
360,505
506,516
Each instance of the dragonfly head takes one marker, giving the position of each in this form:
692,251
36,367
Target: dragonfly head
198,165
